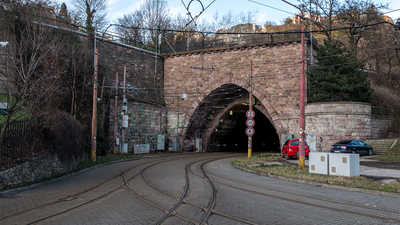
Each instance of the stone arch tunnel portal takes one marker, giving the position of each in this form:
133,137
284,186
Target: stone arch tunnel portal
219,121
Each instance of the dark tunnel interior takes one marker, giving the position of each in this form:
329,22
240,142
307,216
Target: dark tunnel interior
230,136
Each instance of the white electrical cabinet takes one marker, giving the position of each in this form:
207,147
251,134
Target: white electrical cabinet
318,162
125,121
344,164
125,148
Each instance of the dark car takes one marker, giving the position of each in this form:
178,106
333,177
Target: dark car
352,146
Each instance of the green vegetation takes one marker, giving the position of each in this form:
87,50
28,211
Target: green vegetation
19,115
338,76
287,170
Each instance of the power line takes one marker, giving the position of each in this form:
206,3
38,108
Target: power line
272,7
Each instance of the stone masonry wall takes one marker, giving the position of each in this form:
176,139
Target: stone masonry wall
144,91
335,121
380,127
146,121
276,86
37,169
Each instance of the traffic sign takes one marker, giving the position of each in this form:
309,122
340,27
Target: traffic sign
250,114
250,131
250,122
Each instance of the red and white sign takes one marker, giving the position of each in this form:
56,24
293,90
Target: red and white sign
250,114
250,131
250,122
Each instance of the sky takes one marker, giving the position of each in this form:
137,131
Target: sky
117,8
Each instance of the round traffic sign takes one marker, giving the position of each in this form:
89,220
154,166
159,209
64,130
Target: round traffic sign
250,131
250,122
250,114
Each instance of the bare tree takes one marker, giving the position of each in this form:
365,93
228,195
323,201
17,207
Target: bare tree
32,74
92,13
131,31
356,14
152,14
325,11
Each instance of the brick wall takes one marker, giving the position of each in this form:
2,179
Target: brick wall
277,71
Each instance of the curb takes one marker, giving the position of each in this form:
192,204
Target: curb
66,175
316,183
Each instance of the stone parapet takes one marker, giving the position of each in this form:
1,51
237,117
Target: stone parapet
335,121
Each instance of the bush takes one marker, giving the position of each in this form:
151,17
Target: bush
62,134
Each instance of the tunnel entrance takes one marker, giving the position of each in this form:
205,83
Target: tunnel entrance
219,123
230,135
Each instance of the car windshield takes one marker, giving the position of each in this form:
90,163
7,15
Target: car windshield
345,142
296,142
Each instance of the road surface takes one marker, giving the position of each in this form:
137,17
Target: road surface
190,189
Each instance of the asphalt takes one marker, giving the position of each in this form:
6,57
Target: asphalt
147,191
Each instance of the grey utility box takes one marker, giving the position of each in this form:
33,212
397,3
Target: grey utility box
318,162
344,164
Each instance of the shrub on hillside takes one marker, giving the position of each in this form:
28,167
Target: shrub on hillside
62,134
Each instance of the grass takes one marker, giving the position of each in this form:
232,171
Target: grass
294,172
393,155
83,165
18,116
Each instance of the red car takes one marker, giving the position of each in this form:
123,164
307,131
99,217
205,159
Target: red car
291,148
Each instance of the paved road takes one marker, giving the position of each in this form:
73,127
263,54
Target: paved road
193,188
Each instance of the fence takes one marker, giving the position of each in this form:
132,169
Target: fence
16,144
230,40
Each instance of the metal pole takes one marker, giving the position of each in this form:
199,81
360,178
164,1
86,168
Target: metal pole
124,113
116,112
302,90
250,139
302,98
94,111
311,35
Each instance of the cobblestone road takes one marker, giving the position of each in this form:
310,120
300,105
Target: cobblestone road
190,189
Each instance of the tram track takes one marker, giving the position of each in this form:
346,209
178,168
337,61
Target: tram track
341,202
304,202
124,179
207,211
80,193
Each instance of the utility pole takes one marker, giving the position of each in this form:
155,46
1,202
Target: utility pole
311,35
302,99
250,138
116,113
124,115
94,111
302,90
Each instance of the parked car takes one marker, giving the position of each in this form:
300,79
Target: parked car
352,146
291,148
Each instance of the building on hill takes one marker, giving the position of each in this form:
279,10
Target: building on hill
297,19
387,19
240,28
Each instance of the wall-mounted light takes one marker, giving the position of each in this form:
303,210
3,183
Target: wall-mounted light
230,112
184,96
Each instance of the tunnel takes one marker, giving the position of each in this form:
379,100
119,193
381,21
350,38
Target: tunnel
220,122
229,135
